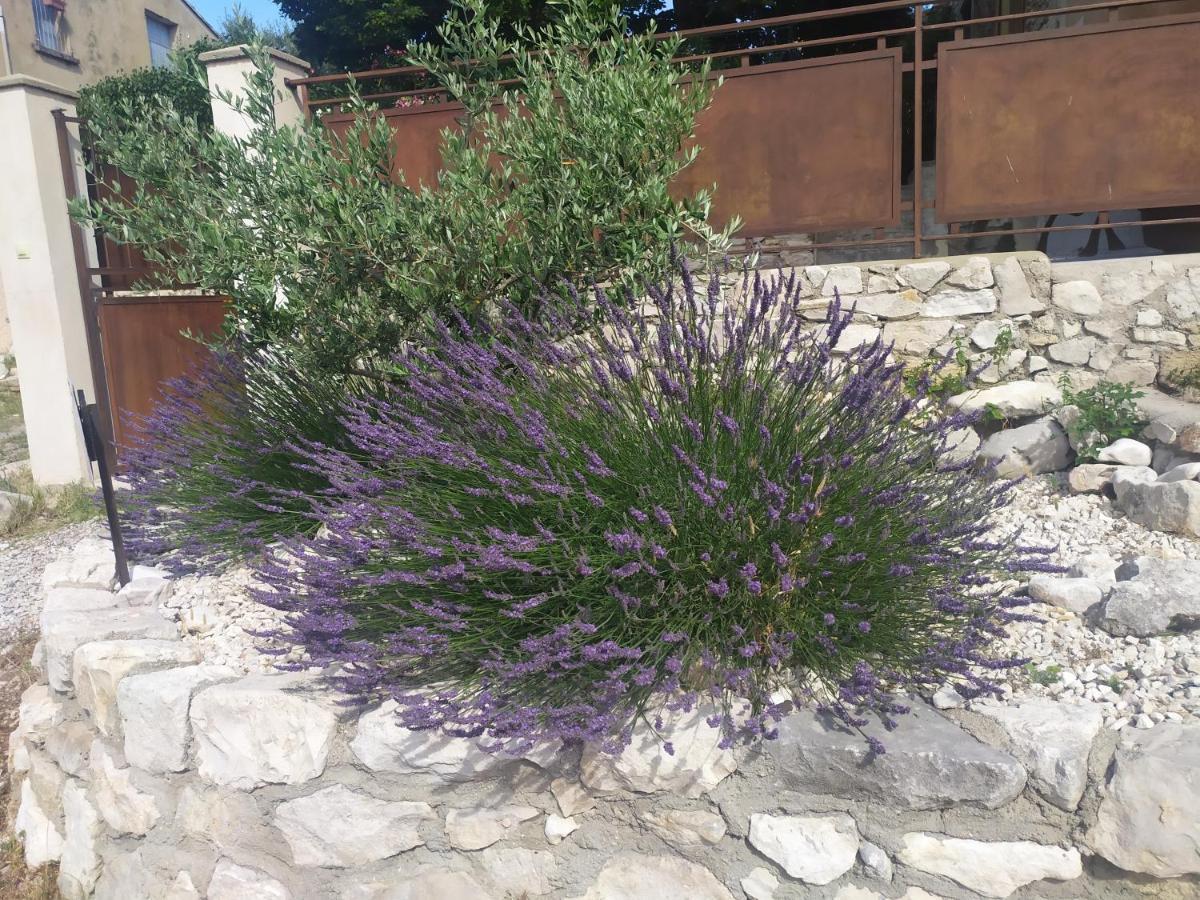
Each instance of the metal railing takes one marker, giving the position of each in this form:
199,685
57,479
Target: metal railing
930,44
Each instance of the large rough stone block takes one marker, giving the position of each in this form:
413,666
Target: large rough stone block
233,882
154,714
425,883
917,338
89,564
1162,505
1052,740
1076,594
382,744
1147,820
79,866
125,808
98,668
64,631
974,274
1153,596
930,762
339,827
685,829
697,766
265,729
1028,450
40,833
814,849
991,868
637,876
1013,400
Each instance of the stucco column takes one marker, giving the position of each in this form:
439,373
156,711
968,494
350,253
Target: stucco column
227,71
39,277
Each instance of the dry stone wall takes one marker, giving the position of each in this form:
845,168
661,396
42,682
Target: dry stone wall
147,771
1019,316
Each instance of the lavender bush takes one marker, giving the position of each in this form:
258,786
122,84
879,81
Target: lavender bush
214,472
550,533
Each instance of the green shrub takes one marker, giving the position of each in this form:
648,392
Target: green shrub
120,102
575,189
1107,412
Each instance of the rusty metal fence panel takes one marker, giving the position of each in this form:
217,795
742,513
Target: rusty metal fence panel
1098,117
771,172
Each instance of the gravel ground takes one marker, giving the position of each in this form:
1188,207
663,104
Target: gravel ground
22,561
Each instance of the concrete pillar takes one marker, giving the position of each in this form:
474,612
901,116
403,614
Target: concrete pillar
39,278
227,70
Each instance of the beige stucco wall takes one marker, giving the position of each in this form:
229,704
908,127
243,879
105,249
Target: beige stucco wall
104,36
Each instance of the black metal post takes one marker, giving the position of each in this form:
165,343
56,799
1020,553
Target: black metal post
95,449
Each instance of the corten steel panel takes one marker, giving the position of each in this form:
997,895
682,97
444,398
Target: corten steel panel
1087,119
143,347
416,139
803,147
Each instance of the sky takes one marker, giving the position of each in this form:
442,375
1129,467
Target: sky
264,12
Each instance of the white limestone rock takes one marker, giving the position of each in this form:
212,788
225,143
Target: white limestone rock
1147,820
1079,297
842,279
956,302
89,564
79,865
69,745
40,834
1012,400
1031,449
518,872
1090,478
382,744
124,807
1075,594
1183,472
1075,352
572,799
918,337
154,706
855,335
64,631
974,274
876,861
814,849
340,828
98,668
557,828
1125,452
930,762
904,305
1052,740
1172,506
263,729
991,868
233,882
685,829
637,876
697,766
760,884
922,276
1099,567
1016,299
1153,596
478,827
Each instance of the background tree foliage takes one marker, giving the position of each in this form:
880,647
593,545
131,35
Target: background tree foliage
356,34
564,178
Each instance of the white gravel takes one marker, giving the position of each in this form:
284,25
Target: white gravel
1135,681
22,561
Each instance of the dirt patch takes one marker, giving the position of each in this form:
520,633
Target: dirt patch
17,882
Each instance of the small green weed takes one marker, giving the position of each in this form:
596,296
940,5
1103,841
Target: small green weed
1047,676
1107,412
48,508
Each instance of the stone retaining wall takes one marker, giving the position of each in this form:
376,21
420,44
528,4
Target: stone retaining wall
149,773
1129,320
